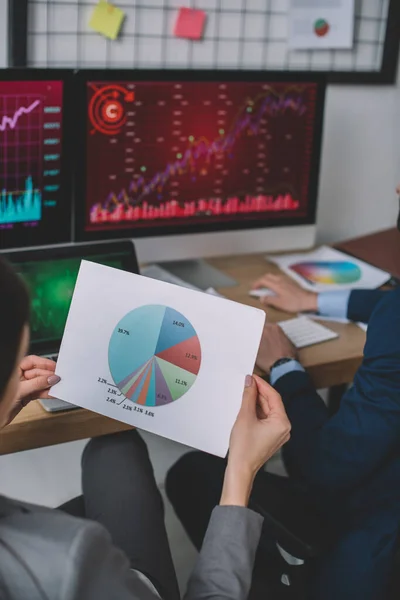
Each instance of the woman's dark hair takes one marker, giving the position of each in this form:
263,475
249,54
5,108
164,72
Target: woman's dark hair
14,314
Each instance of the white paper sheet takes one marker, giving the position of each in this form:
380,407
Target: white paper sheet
328,269
118,323
321,24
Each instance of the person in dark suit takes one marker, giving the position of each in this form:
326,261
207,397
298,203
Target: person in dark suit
120,549
349,463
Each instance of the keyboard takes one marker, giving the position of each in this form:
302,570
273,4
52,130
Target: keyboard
51,356
303,332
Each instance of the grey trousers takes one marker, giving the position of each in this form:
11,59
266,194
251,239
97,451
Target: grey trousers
120,492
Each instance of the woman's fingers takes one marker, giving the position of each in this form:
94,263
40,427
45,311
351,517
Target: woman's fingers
37,362
270,399
33,373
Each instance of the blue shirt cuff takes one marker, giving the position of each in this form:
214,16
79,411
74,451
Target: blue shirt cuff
281,370
334,304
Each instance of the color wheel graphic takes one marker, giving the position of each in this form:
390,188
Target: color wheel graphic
328,272
154,355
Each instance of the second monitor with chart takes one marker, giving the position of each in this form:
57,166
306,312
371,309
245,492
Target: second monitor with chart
35,203
163,153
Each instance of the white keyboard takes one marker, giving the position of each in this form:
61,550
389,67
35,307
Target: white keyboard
303,332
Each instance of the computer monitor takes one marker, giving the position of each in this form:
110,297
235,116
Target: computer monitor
173,152
35,166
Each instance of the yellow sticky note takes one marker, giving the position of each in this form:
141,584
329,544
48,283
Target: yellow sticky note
107,19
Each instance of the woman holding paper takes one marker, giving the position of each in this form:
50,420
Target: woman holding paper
46,554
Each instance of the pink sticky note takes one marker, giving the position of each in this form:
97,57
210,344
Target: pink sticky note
190,23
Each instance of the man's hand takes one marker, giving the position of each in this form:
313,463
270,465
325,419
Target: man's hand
273,346
37,375
289,296
261,428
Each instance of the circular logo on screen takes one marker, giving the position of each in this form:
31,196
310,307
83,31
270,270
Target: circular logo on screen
107,108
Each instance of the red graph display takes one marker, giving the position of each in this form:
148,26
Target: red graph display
195,152
30,167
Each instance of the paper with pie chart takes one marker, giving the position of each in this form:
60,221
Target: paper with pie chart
320,24
165,366
328,269
156,356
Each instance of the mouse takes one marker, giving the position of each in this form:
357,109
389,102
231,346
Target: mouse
261,293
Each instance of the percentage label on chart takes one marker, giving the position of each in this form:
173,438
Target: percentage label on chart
101,380
179,323
112,391
191,356
123,331
161,397
181,382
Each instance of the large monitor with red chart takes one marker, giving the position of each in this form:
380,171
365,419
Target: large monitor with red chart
168,152
35,175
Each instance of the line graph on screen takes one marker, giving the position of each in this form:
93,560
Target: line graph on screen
198,151
21,167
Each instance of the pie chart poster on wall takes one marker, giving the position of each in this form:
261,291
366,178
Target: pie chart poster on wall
157,356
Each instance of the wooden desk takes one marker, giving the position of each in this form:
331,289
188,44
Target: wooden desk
330,364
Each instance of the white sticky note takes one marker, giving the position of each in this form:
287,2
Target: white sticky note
162,358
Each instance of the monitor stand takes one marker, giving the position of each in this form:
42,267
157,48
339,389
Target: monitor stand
199,274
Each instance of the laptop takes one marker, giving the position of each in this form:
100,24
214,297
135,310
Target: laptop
51,275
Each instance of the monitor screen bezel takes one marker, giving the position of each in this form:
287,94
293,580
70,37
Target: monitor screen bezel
220,76
37,237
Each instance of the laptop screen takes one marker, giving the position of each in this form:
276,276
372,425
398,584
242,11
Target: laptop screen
51,284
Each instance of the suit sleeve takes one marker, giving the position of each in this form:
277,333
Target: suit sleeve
362,304
338,453
225,564
95,569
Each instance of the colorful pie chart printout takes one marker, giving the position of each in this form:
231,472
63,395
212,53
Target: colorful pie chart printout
154,355
328,272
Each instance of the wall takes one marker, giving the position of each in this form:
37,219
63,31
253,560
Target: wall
360,160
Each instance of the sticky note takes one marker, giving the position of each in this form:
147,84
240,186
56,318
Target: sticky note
190,23
107,19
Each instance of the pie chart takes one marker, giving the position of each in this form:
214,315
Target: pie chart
154,355
321,27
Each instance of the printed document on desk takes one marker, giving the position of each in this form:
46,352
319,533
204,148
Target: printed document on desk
328,269
162,358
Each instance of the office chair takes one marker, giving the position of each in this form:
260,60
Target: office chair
301,534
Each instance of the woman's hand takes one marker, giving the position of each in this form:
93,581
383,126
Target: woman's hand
37,375
261,428
289,296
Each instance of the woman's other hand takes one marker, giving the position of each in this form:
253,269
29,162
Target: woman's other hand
37,375
261,428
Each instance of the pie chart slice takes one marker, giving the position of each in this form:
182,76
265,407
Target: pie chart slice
154,355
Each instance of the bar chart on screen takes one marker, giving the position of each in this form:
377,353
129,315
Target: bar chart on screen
30,129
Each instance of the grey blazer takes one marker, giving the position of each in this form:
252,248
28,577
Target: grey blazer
48,555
